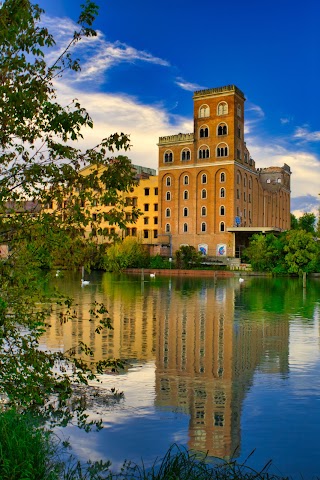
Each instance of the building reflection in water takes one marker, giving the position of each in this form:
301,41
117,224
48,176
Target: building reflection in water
205,345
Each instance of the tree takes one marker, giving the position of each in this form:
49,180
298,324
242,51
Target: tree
307,222
265,253
39,162
187,257
130,253
294,222
301,252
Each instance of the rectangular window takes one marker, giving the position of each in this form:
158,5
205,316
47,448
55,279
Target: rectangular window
238,154
128,217
147,191
239,132
134,232
155,207
155,233
249,197
128,202
156,191
94,217
244,196
146,207
246,157
146,220
244,213
145,233
155,220
238,194
134,202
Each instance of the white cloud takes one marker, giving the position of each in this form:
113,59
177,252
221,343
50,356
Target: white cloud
285,120
190,87
96,53
302,133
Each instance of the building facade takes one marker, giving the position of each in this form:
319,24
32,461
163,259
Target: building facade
211,195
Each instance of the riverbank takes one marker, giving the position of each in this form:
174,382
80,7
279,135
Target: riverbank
205,273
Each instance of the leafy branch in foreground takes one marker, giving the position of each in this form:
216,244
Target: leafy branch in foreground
40,164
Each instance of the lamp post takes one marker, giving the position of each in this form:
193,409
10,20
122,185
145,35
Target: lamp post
170,261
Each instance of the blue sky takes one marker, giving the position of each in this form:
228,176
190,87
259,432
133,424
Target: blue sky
139,73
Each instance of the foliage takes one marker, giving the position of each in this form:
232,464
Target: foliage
157,261
130,253
302,252
307,222
41,164
294,222
188,257
295,251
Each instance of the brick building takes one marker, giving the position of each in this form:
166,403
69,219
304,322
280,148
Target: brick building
211,195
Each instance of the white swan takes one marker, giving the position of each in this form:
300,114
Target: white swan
57,273
241,280
84,282
152,275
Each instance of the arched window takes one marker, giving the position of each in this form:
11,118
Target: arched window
204,178
238,178
245,181
186,195
203,152
222,210
204,132
222,129
222,228
249,182
203,193
168,181
168,156
222,108
167,227
203,211
186,180
185,154
168,195
222,150
222,192
204,111
203,227
168,212
222,177
185,212
185,227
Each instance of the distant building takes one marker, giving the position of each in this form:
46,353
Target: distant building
211,196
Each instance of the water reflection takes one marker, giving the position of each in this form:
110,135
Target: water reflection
207,338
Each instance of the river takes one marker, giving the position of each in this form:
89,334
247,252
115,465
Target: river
214,365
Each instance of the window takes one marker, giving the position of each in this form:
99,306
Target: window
168,181
222,129
146,220
204,111
238,178
203,193
238,194
268,180
204,178
156,190
246,157
185,195
244,196
185,212
134,201
278,180
222,210
203,152
203,211
185,227
222,150
128,217
238,110
238,154
203,227
155,207
168,212
249,197
155,220
222,193
168,195
147,191
244,213
249,182
222,108
155,233
134,232
145,233
146,207
185,154
245,181
222,177
167,227
222,227
94,217
239,131
168,156
204,132
186,180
